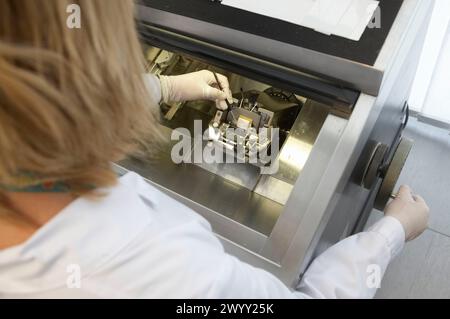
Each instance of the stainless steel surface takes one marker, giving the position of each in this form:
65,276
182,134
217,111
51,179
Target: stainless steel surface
240,174
319,206
274,188
295,152
355,75
296,149
230,208
393,173
297,208
378,152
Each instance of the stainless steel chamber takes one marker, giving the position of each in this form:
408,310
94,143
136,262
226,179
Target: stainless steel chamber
340,113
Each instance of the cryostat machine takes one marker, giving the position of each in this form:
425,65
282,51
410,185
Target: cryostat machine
338,107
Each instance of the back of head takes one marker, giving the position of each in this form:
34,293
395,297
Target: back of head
71,100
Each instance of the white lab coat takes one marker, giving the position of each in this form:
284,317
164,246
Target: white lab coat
137,242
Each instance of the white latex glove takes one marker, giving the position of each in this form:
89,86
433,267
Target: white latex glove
200,85
411,211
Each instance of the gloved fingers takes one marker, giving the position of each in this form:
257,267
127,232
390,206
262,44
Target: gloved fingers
221,105
405,193
210,93
414,236
419,199
223,83
225,87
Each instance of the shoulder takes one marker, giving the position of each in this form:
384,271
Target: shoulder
175,255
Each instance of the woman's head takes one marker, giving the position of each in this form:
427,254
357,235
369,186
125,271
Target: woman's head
71,100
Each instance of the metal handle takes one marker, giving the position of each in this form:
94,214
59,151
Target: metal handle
406,119
376,158
391,173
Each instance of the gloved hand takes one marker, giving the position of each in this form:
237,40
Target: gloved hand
412,212
200,85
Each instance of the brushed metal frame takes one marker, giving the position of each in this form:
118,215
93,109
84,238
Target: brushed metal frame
357,134
355,137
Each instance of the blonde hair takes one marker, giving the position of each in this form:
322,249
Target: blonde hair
71,100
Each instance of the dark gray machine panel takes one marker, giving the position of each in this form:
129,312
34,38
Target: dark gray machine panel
364,51
353,65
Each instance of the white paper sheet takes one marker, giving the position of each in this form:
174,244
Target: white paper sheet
344,18
324,15
354,22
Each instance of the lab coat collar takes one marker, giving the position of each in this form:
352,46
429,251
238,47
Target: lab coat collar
85,234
